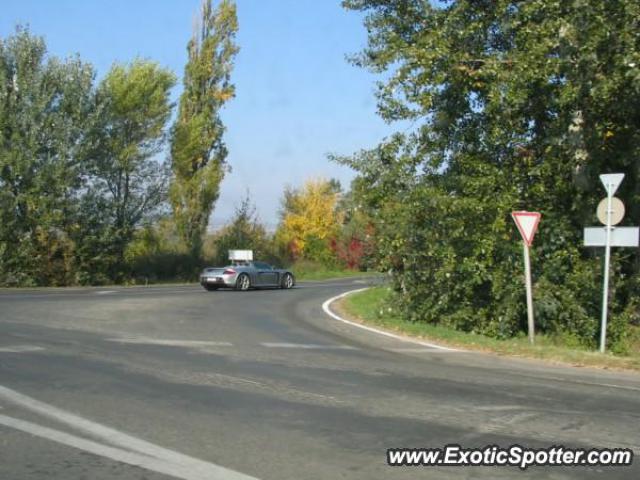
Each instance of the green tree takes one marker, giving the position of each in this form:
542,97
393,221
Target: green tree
517,105
244,232
44,105
198,152
157,253
127,183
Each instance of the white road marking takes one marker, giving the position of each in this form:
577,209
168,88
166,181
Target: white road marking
183,471
105,292
420,350
158,291
169,342
582,382
20,349
327,310
308,346
499,408
141,452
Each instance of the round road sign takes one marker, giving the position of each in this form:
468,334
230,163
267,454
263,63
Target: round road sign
617,211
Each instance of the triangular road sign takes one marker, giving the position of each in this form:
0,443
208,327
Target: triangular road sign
527,223
611,182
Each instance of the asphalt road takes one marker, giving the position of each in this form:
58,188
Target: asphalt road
176,382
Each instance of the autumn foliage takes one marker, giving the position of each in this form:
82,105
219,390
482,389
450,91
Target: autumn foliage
310,221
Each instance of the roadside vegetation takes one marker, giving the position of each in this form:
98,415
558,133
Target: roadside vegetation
333,242
86,200
306,270
501,106
504,106
81,185
374,307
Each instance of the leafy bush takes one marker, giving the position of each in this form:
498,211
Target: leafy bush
507,109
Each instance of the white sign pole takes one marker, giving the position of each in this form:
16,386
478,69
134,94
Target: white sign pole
608,237
527,274
607,260
527,223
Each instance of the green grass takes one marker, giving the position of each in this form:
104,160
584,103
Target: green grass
305,270
370,307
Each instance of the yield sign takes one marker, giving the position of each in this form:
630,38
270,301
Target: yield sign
527,223
611,182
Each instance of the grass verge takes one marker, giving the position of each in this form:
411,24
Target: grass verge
305,270
370,307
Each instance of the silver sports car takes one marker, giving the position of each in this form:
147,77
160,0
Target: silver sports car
246,276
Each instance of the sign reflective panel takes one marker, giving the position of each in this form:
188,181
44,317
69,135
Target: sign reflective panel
617,211
620,236
611,182
527,223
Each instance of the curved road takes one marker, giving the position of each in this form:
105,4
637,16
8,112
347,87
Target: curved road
176,382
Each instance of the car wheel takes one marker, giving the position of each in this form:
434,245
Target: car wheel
243,283
210,288
287,281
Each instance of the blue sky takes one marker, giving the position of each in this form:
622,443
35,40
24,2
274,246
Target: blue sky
297,98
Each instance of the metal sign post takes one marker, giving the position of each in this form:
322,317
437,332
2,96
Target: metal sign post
527,281
608,237
527,223
607,260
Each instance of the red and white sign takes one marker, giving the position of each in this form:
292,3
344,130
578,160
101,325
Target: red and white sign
527,223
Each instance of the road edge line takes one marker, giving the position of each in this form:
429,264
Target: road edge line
327,309
113,453
121,440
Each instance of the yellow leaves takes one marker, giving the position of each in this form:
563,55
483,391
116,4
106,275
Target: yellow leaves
224,95
310,213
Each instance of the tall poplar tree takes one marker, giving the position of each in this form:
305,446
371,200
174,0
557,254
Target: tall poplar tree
198,151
